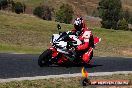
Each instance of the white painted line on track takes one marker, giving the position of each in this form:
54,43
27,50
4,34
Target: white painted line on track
64,76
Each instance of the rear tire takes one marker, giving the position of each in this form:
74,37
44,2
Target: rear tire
44,58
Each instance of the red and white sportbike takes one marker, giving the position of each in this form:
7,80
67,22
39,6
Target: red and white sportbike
62,52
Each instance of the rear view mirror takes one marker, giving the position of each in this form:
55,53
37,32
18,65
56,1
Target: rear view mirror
58,26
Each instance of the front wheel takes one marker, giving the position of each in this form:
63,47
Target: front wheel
44,58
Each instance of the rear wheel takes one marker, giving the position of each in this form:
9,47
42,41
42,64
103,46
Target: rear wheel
44,58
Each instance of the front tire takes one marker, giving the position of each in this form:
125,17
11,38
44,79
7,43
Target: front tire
44,58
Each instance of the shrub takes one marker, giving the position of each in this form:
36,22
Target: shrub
38,11
130,20
64,14
18,7
122,25
126,15
44,12
3,4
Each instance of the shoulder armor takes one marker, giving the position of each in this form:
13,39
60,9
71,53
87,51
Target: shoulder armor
87,34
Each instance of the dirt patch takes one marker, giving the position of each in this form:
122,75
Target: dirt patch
127,52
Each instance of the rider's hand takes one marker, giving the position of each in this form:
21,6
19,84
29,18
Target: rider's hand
73,49
68,32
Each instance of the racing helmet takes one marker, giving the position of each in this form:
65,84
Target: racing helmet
79,24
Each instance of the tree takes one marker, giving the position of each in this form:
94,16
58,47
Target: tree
44,12
109,11
64,14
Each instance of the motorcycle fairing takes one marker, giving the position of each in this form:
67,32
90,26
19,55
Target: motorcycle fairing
54,52
60,47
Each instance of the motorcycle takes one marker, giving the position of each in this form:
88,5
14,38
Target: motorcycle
62,50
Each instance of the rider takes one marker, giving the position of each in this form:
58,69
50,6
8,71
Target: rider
85,35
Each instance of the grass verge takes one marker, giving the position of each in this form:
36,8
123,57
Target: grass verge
22,33
65,82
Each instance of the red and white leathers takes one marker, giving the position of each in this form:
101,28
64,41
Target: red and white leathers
85,36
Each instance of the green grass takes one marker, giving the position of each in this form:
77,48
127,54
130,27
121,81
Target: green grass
74,82
22,33
18,49
114,43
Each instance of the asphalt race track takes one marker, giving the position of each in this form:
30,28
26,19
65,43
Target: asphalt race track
23,65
